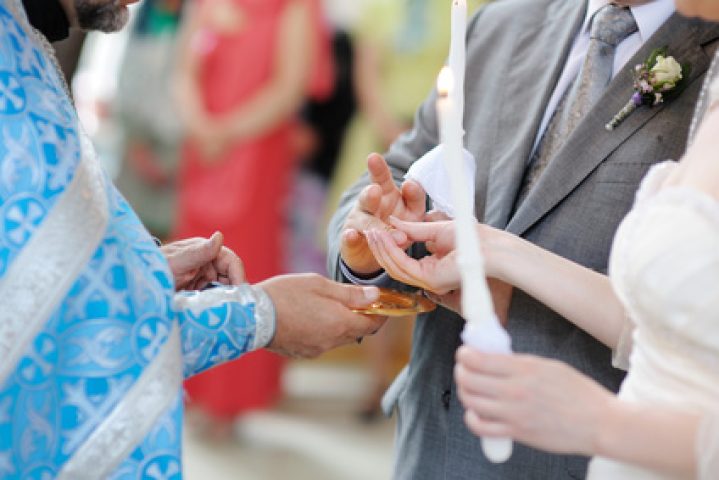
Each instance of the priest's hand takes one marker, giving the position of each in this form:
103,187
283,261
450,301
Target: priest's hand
195,262
543,403
377,202
314,314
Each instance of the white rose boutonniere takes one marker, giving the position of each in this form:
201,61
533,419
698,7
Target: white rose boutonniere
666,73
654,81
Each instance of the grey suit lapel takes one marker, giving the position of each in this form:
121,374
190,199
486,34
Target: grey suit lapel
533,71
590,144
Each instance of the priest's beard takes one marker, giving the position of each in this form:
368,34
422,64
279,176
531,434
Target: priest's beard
103,15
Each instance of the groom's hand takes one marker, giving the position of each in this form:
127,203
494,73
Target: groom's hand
376,203
314,314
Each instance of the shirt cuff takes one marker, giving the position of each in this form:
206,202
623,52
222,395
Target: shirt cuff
381,280
265,319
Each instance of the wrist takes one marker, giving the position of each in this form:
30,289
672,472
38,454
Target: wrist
610,425
501,250
366,270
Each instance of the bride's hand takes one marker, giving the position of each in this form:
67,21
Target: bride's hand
542,403
451,300
437,273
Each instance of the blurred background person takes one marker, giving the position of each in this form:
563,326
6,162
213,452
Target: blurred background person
245,68
400,46
144,109
318,139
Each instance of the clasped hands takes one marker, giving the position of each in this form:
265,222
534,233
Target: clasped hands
530,399
313,314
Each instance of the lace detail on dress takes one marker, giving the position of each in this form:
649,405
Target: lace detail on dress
707,447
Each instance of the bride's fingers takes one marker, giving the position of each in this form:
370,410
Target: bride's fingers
380,243
436,216
418,231
380,254
472,383
486,428
405,265
429,273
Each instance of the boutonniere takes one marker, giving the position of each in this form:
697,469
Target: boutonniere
656,80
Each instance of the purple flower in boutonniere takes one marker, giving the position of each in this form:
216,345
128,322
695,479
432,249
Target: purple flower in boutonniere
655,80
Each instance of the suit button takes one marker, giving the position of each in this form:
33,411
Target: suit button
446,397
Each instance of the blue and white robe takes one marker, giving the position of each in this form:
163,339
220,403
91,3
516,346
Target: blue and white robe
94,342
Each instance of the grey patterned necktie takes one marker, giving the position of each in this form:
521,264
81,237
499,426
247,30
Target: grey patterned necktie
610,26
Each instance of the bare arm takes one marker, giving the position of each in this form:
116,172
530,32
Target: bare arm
579,294
284,92
187,90
582,296
653,437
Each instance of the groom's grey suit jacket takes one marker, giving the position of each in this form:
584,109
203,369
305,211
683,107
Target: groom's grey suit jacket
516,52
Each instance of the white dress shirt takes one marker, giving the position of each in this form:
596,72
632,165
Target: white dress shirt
649,17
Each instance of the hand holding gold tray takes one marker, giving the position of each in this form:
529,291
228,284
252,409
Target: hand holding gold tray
393,303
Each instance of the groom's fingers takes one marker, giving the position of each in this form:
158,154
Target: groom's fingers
370,199
380,173
415,198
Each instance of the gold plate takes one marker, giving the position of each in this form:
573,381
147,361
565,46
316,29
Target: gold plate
393,303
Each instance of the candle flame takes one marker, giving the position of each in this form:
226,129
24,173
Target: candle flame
445,81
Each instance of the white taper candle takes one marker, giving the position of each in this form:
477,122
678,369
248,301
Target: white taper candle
458,54
483,330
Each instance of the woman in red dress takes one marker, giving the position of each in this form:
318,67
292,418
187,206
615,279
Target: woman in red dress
245,68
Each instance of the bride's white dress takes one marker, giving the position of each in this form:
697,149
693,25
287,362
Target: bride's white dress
665,269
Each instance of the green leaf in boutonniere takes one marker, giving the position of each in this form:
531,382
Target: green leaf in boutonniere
656,80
